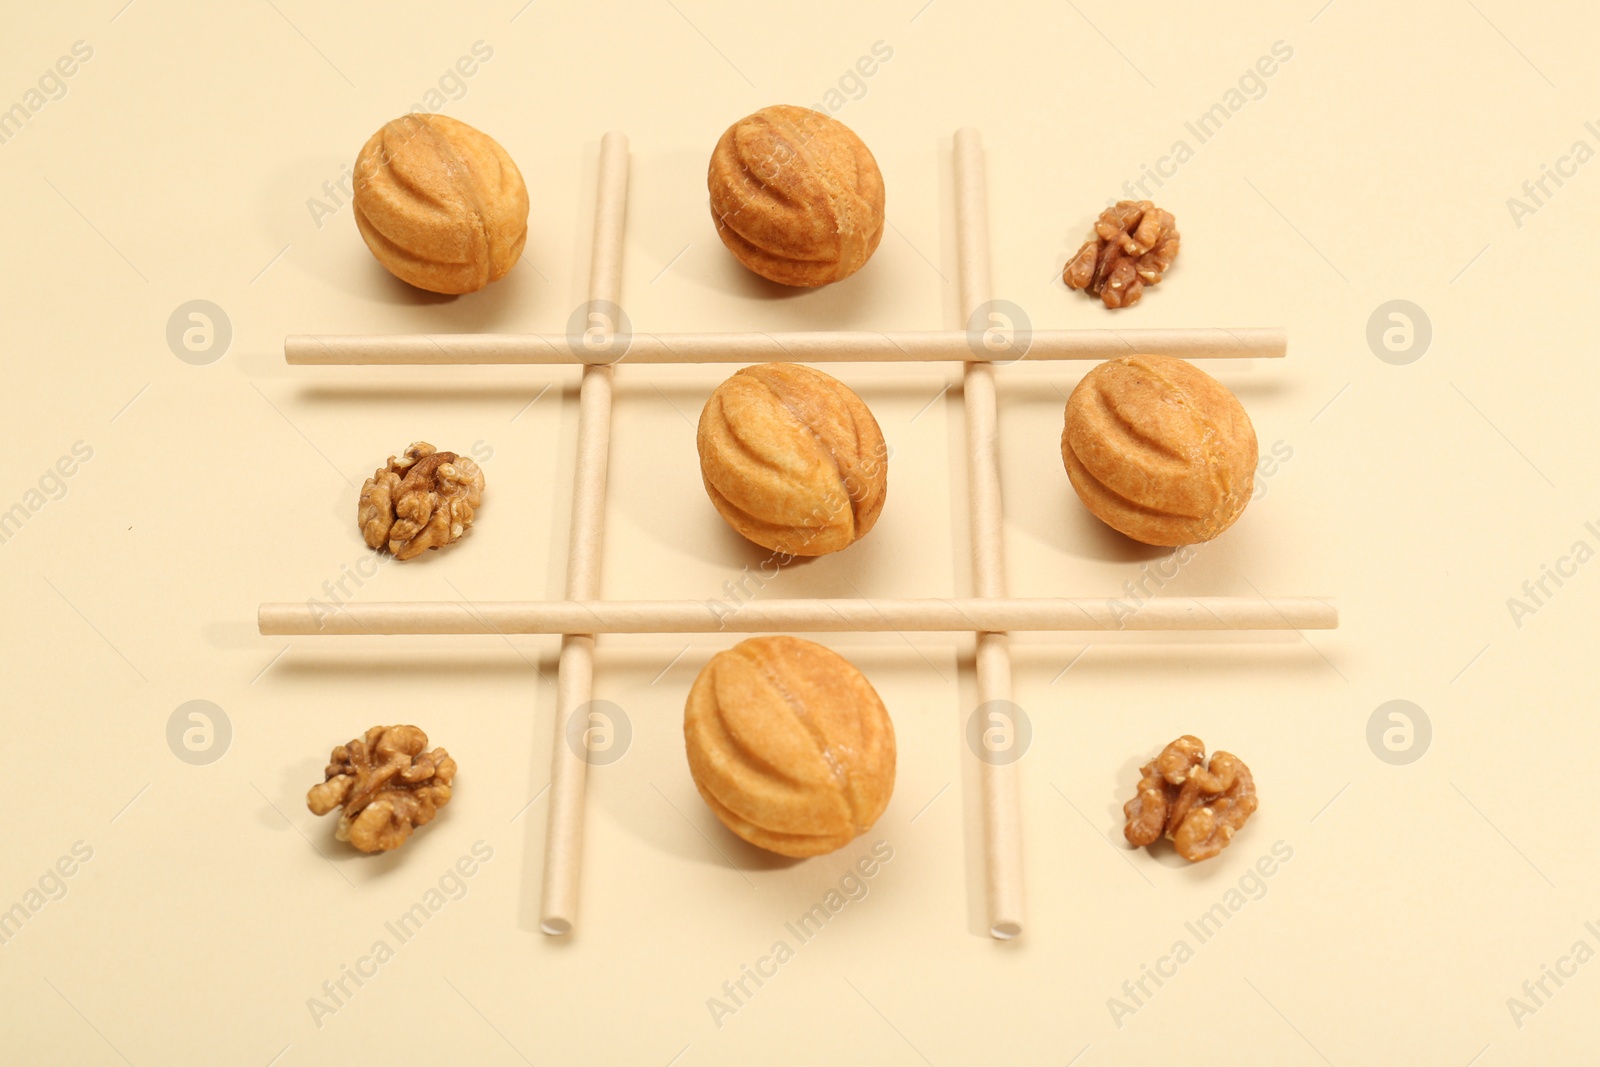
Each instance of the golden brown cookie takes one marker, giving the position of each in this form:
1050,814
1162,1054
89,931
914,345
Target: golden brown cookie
1160,450
440,204
789,745
793,459
796,196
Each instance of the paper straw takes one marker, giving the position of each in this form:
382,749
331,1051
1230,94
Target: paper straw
843,346
801,616
563,848
1002,837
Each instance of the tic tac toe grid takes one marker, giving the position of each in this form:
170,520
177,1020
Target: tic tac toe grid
989,613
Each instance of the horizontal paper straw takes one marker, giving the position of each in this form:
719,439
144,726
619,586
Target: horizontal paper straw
800,616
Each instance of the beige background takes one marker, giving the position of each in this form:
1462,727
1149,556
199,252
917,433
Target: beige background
1375,166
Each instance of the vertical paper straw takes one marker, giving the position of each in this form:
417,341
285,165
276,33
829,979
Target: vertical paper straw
563,849
1002,837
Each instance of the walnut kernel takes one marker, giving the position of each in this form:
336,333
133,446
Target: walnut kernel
1198,807
1134,243
387,784
423,499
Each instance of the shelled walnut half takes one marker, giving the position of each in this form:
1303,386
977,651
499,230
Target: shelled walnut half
387,783
1198,808
1134,243
420,500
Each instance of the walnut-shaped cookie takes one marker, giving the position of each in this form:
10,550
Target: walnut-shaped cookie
793,459
1159,450
1197,807
796,196
789,745
440,204
387,784
419,500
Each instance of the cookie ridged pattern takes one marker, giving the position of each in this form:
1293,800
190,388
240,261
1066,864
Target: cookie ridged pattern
789,745
440,204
